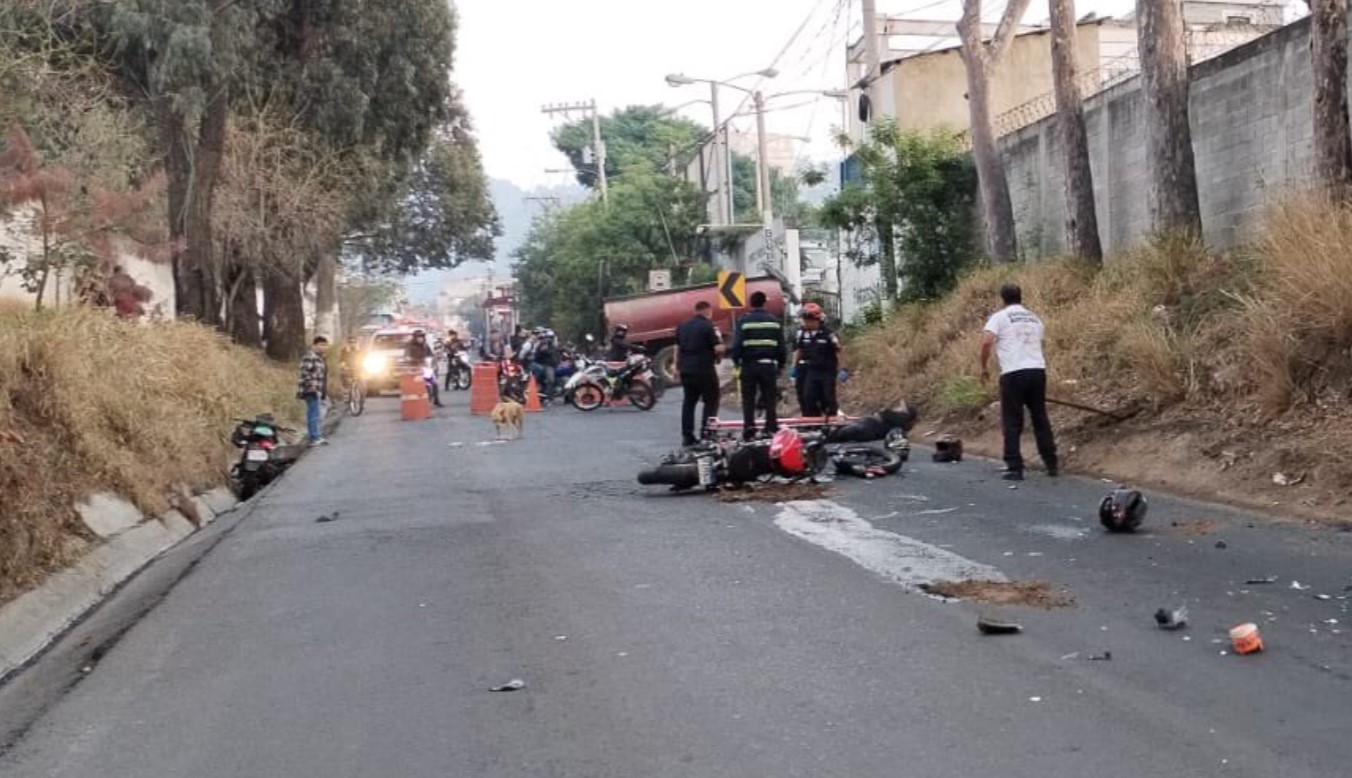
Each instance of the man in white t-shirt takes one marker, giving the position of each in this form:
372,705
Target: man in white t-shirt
1015,335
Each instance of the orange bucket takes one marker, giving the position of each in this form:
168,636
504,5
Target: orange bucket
1247,639
413,405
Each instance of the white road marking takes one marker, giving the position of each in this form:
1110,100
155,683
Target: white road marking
897,558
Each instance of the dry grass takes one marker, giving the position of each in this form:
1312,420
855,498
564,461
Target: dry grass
89,403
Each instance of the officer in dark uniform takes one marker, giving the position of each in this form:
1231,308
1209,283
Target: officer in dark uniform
699,345
817,361
758,352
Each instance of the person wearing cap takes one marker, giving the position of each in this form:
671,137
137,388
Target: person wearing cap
758,354
817,363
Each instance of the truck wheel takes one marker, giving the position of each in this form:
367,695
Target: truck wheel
665,364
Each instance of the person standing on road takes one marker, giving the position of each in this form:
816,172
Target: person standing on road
817,363
313,387
758,354
699,345
1015,334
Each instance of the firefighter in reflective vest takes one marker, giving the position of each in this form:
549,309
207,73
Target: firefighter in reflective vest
759,354
816,362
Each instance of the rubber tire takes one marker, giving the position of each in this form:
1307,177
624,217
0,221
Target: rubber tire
357,405
664,365
248,486
846,458
463,380
683,476
642,395
590,392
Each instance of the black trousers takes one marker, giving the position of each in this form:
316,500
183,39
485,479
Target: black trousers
698,387
819,394
1026,389
760,381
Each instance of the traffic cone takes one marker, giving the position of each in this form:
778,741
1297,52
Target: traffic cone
533,396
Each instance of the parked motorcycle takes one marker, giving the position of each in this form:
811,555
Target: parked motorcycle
262,458
601,383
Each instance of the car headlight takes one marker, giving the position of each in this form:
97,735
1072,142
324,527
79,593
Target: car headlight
373,365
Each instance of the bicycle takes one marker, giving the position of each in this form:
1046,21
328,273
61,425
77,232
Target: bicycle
356,395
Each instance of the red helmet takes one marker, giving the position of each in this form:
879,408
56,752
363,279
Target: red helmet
813,311
786,451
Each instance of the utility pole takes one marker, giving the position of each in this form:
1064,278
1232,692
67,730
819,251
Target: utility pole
719,161
598,145
766,197
871,56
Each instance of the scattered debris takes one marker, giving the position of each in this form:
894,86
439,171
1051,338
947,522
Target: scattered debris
936,511
1035,699
1070,656
1176,618
794,491
1282,479
1222,545
327,517
1194,527
1272,579
1122,510
988,626
947,449
1035,594
560,637
1106,656
514,685
1246,639
1299,587
1322,597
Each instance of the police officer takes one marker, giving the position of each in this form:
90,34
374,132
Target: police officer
817,360
698,348
758,352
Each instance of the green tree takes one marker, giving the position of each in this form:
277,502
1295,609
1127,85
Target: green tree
917,199
638,137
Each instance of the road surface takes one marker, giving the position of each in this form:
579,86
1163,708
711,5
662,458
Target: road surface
662,635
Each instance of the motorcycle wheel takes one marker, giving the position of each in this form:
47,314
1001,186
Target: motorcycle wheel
248,486
463,379
588,397
865,460
641,394
681,476
356,400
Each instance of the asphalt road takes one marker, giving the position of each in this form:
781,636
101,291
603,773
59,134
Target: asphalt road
664,635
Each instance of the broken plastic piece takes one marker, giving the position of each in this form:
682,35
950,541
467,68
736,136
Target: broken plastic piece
997,627
514,685
1175,618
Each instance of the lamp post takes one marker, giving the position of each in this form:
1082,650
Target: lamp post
726,211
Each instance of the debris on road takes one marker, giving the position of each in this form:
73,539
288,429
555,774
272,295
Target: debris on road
988,626
514,685
1171,619
1298,586
1246,639
947,449
327,517
1272,579
794,491
1106,656
1034,594
1222,545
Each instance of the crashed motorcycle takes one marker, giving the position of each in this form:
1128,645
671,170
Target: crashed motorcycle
714,464
262,457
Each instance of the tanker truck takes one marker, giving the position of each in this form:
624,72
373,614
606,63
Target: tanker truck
654,316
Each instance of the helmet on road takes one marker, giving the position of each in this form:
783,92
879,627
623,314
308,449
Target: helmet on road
1123,510
813,311
786,451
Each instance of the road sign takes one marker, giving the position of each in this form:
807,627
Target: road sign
659,280
731,289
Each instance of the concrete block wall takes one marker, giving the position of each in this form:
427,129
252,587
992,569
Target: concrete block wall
1251,112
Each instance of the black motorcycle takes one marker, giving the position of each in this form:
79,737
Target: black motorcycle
263,457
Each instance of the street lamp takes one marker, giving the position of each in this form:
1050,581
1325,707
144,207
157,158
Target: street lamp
724,200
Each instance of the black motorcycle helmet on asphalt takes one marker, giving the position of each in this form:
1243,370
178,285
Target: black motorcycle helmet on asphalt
1123,510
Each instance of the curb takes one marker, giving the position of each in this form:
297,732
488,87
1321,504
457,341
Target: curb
34,620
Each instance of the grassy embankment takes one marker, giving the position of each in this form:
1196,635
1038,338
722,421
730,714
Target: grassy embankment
91,404
1233,367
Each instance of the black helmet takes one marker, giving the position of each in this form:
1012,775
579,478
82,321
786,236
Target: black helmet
1123,510
621,329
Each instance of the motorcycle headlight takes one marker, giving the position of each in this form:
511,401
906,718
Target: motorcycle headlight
373,365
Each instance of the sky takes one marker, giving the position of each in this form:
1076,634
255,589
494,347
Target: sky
514,56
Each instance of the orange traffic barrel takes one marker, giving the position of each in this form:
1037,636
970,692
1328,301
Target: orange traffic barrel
533,396
413,404
483,389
